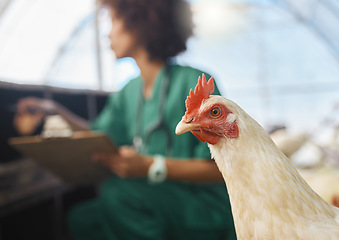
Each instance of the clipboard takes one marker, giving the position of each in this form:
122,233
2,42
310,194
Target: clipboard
69,158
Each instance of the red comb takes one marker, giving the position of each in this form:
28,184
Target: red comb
202,91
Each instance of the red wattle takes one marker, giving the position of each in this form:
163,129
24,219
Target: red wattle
206,136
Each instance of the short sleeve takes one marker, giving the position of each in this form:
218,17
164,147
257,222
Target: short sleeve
111,119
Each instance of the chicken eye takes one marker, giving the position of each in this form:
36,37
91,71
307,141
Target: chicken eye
215,112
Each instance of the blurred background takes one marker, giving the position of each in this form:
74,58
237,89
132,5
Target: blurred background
278,59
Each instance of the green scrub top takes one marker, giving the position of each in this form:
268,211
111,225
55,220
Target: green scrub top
119,117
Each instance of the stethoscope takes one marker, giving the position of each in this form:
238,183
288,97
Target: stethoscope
141,144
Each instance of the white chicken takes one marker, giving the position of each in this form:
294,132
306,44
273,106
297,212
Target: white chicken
269,199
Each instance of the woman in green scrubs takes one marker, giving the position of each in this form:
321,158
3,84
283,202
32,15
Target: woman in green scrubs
191,203
163,186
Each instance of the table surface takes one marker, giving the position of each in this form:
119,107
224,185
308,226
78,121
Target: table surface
23,183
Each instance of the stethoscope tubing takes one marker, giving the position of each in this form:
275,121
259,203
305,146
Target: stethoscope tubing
160,124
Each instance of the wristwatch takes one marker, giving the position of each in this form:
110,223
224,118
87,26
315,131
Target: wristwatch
157,171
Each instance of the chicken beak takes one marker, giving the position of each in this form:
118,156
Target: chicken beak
184,126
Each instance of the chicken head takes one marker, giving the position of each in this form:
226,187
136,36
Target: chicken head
205,117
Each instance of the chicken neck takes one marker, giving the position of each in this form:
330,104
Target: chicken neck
262,183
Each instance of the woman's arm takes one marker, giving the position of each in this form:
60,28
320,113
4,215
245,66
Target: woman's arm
41,107
128,163
77,123
193,170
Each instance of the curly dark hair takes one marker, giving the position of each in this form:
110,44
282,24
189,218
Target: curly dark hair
162,26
